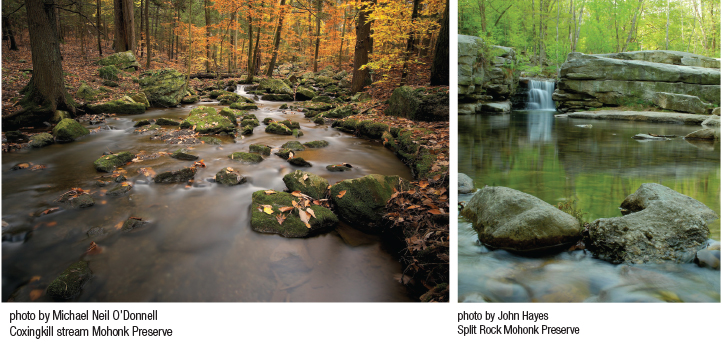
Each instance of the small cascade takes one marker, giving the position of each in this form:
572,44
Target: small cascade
539,96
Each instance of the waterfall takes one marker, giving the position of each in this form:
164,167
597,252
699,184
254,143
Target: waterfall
539,96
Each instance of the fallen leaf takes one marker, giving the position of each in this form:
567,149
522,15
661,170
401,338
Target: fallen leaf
296,193
310,211
293,202
285,208
280,218
341,194
423,184
269,192
305,176
435,211
304,217
50,210
36,293
268,209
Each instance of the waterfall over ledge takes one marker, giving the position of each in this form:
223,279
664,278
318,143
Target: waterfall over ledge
539,95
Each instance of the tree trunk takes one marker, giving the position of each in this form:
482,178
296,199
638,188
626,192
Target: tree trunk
45,93
234,43
147,34
409,43
81,29
343,36
276,40
249,73
440,66
319,6
631,29
541,34
666,30
124,26
361,77
8,32
482,14
190,42
256,53
97,24
208,35
142,32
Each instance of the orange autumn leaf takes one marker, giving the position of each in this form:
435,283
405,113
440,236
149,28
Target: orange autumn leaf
280,218
285,208
341,194
269,192
36,293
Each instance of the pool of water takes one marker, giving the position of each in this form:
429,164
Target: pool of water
556,160
199,245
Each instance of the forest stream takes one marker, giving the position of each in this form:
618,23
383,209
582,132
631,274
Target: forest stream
597,164
199,245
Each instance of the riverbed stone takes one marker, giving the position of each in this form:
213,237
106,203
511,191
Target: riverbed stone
339,112
124,105
371,129
70,282
275,86
82,201
516,221
190,99
277,97
659,225
298,161
495,107
307,183
284,153
466,184
68,130
183,154
120,189
278,129
178,176
322,99
292,226
163,87
708,257
132,223
141,123
294,146
338,167
364,199
206,120
108,163
642,116
316,144
246,157
165,121
708,134
250,122
261,149
41,140
231,114
230,177
712,122
290,124
303,94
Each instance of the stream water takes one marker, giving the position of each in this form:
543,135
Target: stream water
199,245
554,159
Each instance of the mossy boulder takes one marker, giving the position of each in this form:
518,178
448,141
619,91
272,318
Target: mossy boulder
319,120
250,122
141,123
246,157
69,130
316,144
86,93
364,199
228,98
294,146
243,106
166,121
109,73
124,105
123,60
290,124
338,168
163,87
322,99
292,225
283,107
190,99
261,149
111,84
41,140
303,94
277,97
140,98
108,163
132,223
284,153
247,130
230,177
416,104
216,93
360,97
345,125
119,189
339,112
324,81
70,282
206,120
178,176
231,114
297,133
210,140
315,106
183,154
278,129
313,185
82,201
275,86
267,120
372,129
298,161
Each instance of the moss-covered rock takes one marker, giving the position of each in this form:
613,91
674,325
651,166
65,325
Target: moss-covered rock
246,157
230,177
303,94
319,120
316,144
140,98
124,105
109,73
284,153
243,106
190,99
297,133
277,97
178,176
119,189
275,86
267,120
111,84
41,140
250,122
322,99
338,168
228,98
294,146
313,185
123,60
345,125
278,129
141,123
69,130
372,129
360,97
163,87
298,161
166,121
283,107
209,140
315,106
108,163
183,154
231,114
339,112
324,81
261,149
290,124
364,199
216,93
82,201
86,93
247,130
70,282
132,223
292,226
413,104
206,120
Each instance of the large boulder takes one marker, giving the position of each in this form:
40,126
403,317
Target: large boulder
466,184
206,120
108,163
124,105
122,60
70,283
303,94
291,225
163,87
307,183
69,130
338,112
667,57
361,201
515,221
416,104
682,103
659,225
43,139
275,86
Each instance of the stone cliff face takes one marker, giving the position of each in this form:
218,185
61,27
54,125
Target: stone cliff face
486,76
672,80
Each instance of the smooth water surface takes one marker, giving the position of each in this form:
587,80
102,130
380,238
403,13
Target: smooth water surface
199,245
555,160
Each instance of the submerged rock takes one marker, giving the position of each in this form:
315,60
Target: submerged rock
165,121
466,184
41,140
338,168
246,157
183,154
120,189
178,176
298,161
70,283
261,149
294,146
659,225
124,105
515,221
133,223
361,201
307,183
709,257
108,163
230,177
69,130
292,226
316,144
709,134
82,201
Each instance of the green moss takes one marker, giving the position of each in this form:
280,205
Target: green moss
365,198
246,157
231,114
284,153
275,86
322,99
206,120
178,176
316,144
243,106
163,87
210,140
230,177
41,140
182,154
294,146
303,93
339,112
140,98
216,93
314,186
250,122
319,120
372,129
228,98
123,60
261,149
324,81
141,123
165,121
267,120
291,124
69,130
190,99
247,130
337,168
346,125
109,73
86,93
298,161
108,163
279,129
292,226
315,106
70,282
124,105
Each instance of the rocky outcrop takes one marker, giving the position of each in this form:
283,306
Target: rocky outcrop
361,201
588,81
206,120
682,103
69,130
418,104
642,116
163,87
485,74
515,221
659,225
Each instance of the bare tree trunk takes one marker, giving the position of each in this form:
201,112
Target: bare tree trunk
81,29
666,30
249,74
147,34
190,41
319,6
8,32
409,43
440,66
124,26
482,13
361,77
631,29
97,23
206,5
343,36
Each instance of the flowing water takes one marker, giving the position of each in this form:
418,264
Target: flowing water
554,159
199,245
539,96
